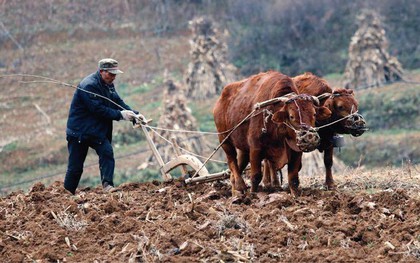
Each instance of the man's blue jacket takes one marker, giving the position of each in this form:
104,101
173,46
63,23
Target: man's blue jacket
90,116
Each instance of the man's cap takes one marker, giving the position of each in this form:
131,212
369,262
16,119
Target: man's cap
110,65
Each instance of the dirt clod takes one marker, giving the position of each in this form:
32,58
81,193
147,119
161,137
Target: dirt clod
201,223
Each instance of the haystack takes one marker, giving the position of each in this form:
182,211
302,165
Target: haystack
208,71
369,63
176,115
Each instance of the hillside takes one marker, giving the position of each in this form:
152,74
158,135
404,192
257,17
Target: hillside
65,39
32,142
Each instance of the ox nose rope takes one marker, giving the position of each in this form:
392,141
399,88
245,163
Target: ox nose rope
290,126
331,123
300,115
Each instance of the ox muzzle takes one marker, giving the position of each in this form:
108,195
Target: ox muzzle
356,124
307,138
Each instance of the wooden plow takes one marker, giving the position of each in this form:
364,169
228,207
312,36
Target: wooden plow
182,160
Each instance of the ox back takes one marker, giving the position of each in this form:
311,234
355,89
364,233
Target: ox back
238,99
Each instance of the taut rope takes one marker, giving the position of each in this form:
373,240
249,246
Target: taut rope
54,81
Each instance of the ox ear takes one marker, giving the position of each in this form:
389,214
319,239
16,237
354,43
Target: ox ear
279,117
323,113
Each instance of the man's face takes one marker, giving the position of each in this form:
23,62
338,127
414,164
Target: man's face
107,76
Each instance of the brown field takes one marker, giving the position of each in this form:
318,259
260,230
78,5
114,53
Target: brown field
374,216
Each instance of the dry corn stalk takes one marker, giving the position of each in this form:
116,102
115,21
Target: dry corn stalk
370,64
208,71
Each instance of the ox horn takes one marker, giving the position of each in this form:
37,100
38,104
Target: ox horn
324,96
315,100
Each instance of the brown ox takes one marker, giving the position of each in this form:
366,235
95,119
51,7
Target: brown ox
270,133
341,103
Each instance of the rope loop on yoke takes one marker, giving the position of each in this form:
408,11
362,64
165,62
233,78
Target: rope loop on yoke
266,115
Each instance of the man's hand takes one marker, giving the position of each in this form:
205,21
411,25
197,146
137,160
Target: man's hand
128,115
140,118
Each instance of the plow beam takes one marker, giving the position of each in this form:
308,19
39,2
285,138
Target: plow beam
208,178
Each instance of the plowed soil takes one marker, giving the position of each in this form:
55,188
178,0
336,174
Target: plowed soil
169,222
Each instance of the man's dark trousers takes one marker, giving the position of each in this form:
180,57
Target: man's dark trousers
78,149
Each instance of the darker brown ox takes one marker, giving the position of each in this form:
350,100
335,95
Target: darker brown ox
278,141
341,103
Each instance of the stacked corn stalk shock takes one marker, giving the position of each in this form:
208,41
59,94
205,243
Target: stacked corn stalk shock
176,115
370,64
208,70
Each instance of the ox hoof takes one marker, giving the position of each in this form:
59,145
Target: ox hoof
271,189
254,195
330,187
237,193
243,199
236,200
295,192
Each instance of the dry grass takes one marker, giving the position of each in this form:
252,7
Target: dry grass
406,177
68,220
19,235
230,221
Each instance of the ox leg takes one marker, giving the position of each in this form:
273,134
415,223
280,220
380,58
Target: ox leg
270,178
267,179
274,178
293,167
256,174
328,162
238,184
243,160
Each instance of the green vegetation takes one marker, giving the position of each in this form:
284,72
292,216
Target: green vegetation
143,88
392,114
10,147
285,37
377,149
128,136
392,109
206,123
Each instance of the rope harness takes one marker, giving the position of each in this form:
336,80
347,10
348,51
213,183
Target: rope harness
307,138
355,121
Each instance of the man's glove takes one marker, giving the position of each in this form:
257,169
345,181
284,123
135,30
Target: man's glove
128,115
140,118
